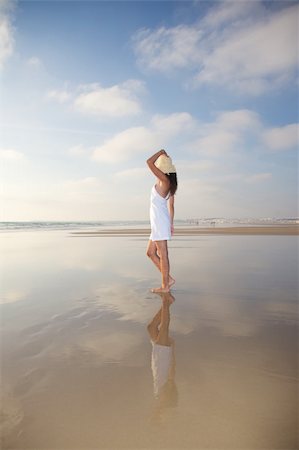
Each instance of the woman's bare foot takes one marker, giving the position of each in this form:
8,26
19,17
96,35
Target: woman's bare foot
160,290
171,281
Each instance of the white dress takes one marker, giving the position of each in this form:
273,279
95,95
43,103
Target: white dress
162,361
159,217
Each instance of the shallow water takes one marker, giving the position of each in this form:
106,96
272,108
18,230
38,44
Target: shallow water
76,353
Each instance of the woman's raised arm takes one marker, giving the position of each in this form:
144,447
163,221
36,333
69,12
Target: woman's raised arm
151,164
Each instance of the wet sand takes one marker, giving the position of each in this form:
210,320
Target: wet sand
285,230
76,352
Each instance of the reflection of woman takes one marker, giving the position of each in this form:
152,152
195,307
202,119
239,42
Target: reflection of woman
161,215
163,358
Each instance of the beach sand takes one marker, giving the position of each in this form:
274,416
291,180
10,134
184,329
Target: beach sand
76,354
285,230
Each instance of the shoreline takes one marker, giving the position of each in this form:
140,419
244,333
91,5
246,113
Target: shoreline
275,230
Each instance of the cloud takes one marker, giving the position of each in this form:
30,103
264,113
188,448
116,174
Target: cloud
34,62
238,45
224,135
136,173
281,138
173,123
227,133
194,166
60,96
11,155
82,187
125,145
207,193
115,101
257,177
238,120
141,140
6,31
93,99
255,56
78,150
228,11
217,142
167,49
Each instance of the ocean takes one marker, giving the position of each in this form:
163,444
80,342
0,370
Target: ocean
200,222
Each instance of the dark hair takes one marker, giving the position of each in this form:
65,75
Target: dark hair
173,182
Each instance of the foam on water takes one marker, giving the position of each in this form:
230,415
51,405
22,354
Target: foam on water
200,222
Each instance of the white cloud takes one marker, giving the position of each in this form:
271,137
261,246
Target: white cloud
141,140
60,96
82,186
125,145
87,198
257,177
216,142
167,49
194,166
78,150
34,62
136,173
226,12
92,99
281,138
115,101
255,56
194,191
6,32
238,120
238,45
226,134
11,155
173,124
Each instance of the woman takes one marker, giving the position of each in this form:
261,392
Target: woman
163,359
161,215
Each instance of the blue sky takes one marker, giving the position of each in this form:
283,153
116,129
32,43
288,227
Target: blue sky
89,90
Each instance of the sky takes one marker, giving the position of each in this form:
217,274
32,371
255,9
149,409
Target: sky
91,89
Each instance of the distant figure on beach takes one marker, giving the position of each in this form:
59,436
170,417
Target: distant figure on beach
163,359
162,215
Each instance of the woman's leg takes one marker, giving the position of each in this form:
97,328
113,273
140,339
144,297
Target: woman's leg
163,335
164,266
158,327
152,253
153,326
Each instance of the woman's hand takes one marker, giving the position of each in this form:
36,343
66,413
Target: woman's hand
151,164
154,158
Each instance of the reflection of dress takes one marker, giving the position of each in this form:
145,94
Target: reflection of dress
159,216
162,360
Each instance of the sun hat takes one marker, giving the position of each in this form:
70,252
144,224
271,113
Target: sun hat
164,163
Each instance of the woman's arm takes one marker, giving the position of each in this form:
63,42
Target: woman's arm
171,211
151,164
